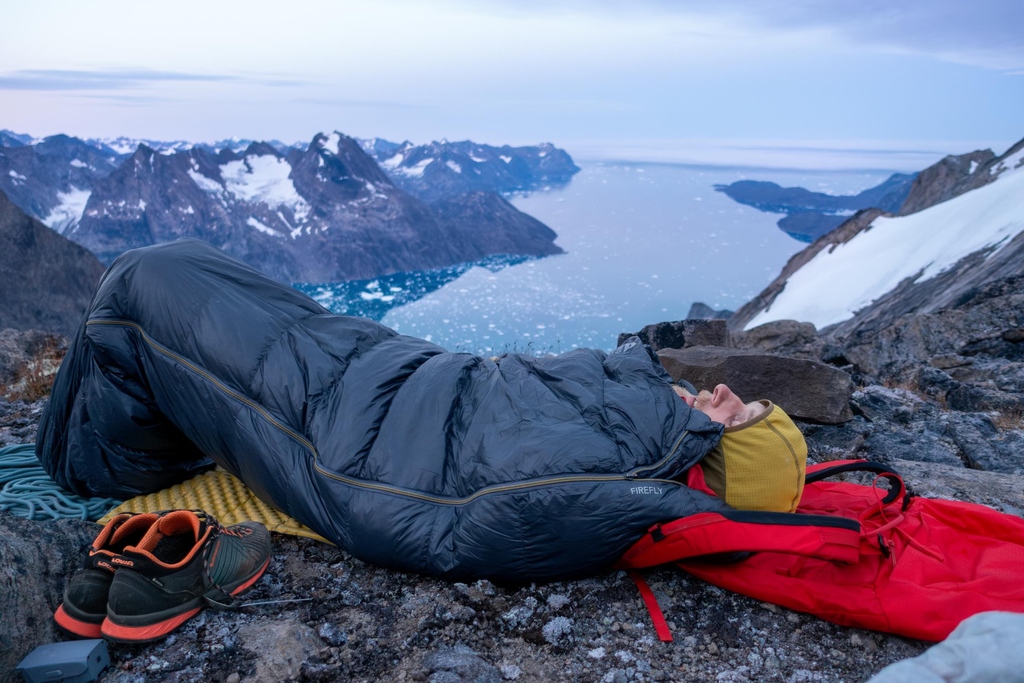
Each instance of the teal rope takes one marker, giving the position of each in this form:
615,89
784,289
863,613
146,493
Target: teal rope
29,492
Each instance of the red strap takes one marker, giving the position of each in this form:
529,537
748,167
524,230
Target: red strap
711,533
811,469
657,618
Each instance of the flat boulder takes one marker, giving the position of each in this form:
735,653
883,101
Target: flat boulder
788,337
806,389
682,334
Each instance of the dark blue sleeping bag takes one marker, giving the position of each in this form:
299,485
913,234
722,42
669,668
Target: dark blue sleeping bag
404,454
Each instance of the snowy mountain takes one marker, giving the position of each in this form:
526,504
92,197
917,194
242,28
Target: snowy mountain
51,179
445,168
324,213
125,146
9,138
876,267
301,212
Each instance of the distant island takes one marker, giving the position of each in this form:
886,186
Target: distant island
809,215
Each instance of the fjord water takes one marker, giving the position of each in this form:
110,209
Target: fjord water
643,242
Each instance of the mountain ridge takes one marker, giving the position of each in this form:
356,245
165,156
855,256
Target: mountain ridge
326,211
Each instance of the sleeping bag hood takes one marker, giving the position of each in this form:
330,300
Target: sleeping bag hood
404,454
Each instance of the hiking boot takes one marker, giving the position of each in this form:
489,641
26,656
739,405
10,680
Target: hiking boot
85,599
185,562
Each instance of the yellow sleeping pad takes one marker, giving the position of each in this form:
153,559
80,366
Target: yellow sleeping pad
223,496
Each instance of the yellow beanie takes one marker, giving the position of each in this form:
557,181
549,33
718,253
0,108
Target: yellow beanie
760,464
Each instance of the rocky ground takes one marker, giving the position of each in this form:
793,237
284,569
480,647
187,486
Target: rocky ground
340,619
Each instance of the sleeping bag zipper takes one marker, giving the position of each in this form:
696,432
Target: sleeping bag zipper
389,488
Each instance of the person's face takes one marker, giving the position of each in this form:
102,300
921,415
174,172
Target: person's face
721,405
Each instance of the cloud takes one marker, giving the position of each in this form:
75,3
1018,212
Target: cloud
116,79
984,33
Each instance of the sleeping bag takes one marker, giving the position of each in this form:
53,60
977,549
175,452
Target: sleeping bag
404,454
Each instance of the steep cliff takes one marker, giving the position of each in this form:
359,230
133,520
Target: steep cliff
47,280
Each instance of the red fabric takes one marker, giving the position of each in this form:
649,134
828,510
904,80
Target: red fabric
942,562
947,561
709,533
653,608
695,480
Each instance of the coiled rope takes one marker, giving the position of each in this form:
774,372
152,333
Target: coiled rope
29,492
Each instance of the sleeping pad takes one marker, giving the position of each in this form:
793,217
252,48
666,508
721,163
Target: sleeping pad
404,454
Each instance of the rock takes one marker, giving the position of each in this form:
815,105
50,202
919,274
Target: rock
1004,492
38,558
805,389
681,334
699,311
920,440
786,337
897,424
48,280
459,664
1014,336
280,649
984,447
970,398
18,347
952,176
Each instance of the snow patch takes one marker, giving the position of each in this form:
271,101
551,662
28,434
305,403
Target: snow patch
262,228
264,179
417,170
206,184
333,144
16,175
1011,162
121,145
973,168
79,164
835,284
69,209
505,158
454,166
393,162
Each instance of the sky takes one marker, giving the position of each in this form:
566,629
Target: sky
878,84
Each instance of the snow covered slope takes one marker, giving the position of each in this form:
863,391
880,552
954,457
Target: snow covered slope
844,277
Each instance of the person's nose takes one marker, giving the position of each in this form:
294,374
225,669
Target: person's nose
724,395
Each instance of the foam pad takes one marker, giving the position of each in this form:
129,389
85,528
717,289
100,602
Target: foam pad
222,495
